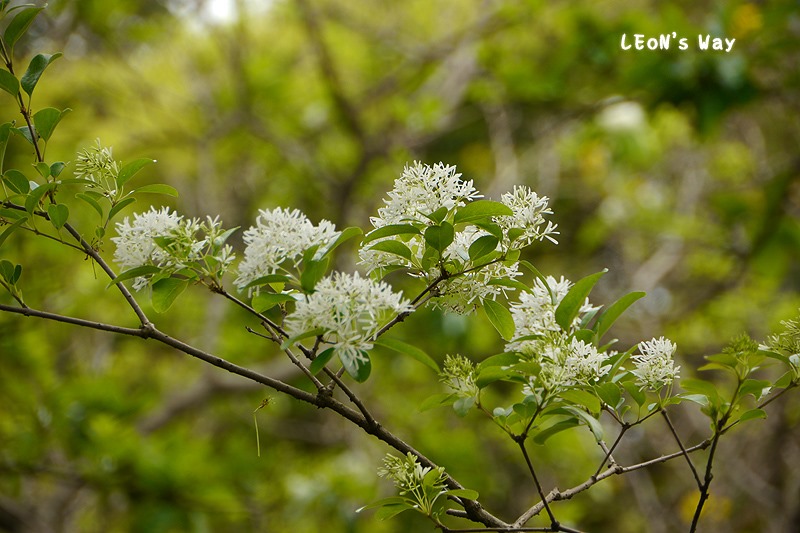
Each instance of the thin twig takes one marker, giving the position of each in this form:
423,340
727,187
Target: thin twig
683,450
553,521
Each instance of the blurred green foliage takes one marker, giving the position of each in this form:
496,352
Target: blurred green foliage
676,170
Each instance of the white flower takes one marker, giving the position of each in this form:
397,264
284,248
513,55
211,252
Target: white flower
136,245
421,190
98,165
655,367
585,363
535,313
529,210
350,309
280,235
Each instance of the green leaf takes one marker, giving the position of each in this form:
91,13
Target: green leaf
757,387
463,405
440,237
144,270
35,69
157,188
591,422
482,246
437,216
393,247
388,231
607,318
501,359
56,168
46,121
11,229
500,317
313,271
120,206
9,83
437,400
165,291
5,134
300,336
264,280
490,374
481,209
92,202
36,195
409,350
321,360
463,493
130,169
390,510
569,307
582,397
18,26
58,214
43,169
635,392
393,500
510,283
752,414
558,427
609,393
358,369
17,181
265,301
344,236
24,132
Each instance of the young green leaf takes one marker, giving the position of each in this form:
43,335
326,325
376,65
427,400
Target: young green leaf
265,301
393,247
482,246
120,206
607,318
389,230
157,188
130,169
437,400
17,181
9,83
36,195
165,291
500,317
18,26
92,202
58,214
440,237
558,427
411,351
35,70
569,307
468,494
11,229
313,271
321,360
135,272
358,369
46,121
482,209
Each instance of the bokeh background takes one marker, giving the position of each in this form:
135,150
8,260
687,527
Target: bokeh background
677,170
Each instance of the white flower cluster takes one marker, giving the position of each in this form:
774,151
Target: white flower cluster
535,315
564,361
351,310
422,190
98,165
458,374
408,475
169,241
655,367
463,293
529,210
280,235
